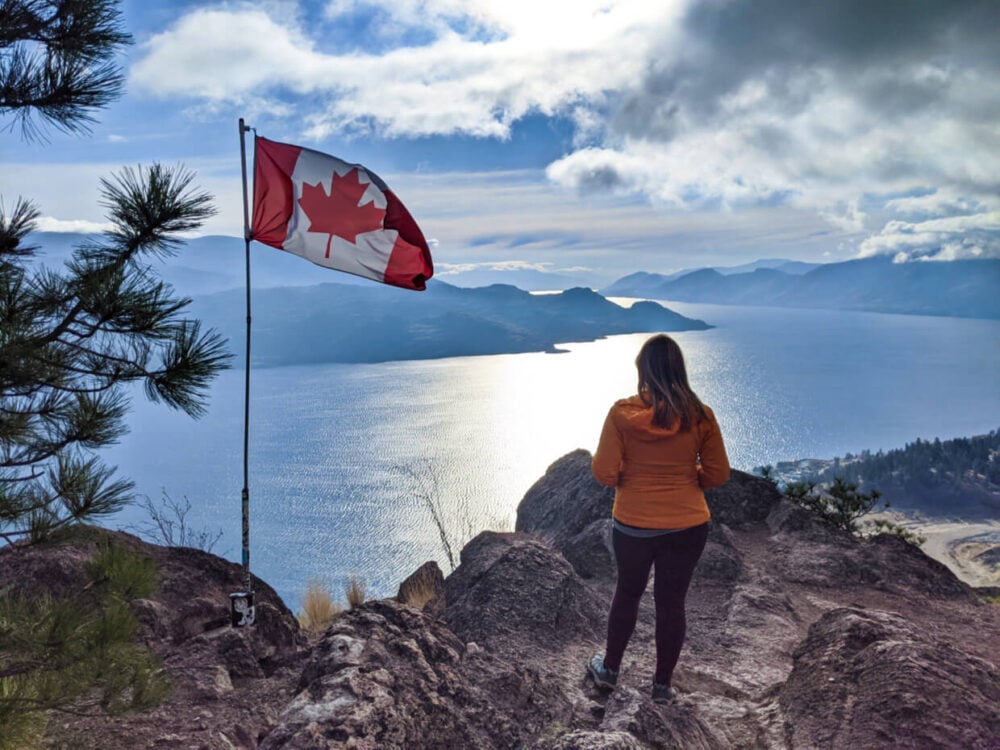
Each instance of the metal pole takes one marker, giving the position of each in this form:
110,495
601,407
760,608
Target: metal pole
247,582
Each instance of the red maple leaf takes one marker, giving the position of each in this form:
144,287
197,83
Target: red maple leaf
339,213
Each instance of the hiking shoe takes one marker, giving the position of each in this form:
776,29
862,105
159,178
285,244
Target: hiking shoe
604,678
663,693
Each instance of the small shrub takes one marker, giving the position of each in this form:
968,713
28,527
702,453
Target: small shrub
319,610
167,525
801,492
766,473
882,526
126,574
841,504
22,729
454,520
355,591
847,504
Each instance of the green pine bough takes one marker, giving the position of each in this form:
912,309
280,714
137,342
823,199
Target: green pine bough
73,339
73,652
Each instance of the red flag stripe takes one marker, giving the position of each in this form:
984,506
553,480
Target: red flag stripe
410,261
273,193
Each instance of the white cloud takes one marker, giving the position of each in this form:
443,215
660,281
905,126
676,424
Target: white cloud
941,203
446,269
489,64
847,217
697,107
63,226
951,238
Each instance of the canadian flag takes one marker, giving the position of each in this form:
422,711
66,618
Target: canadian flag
336,214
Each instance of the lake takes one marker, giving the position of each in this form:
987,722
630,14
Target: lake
334,448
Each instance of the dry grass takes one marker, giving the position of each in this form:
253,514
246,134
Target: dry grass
419,594
355,590
318,608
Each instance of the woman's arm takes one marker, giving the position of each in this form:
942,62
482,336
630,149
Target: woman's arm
607,460
714,467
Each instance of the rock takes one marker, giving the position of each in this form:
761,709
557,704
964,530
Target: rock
513,591
590,552
902,567
865,678
568,740
211,682
786,517
819,565
572,512
760,607
185,623
386,676
565,501
799,635
744,502
674,724
424,588
811,551
720,563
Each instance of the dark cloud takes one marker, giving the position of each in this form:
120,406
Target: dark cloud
848,33
599,179
877,49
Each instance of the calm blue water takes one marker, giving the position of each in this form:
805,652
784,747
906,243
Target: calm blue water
331,444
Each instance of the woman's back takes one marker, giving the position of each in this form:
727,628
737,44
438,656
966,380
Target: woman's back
659,472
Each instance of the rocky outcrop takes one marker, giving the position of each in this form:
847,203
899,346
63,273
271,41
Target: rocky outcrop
387,676
570,511
227,684
867,678
744,502
514,592
799,636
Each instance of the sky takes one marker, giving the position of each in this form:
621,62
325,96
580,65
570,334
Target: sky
592,136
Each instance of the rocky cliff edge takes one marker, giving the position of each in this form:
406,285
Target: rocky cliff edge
799,636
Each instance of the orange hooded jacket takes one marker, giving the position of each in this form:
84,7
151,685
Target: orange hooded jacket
660,474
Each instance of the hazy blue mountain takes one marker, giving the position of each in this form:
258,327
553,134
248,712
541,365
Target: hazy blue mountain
640,284
375,323
794,267
643,284
967,288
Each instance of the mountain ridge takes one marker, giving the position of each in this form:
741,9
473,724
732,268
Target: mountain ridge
375,323
960,288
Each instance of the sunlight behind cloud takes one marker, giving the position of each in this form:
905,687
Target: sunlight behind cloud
847,111
535,58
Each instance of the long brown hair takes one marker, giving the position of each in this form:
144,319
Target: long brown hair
663,384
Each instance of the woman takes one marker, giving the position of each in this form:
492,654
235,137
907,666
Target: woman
660,449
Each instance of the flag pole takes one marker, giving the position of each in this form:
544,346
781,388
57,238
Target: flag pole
242,606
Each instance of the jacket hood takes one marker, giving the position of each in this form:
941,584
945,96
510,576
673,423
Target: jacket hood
637,418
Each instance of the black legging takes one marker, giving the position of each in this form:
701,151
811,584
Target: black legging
675,556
